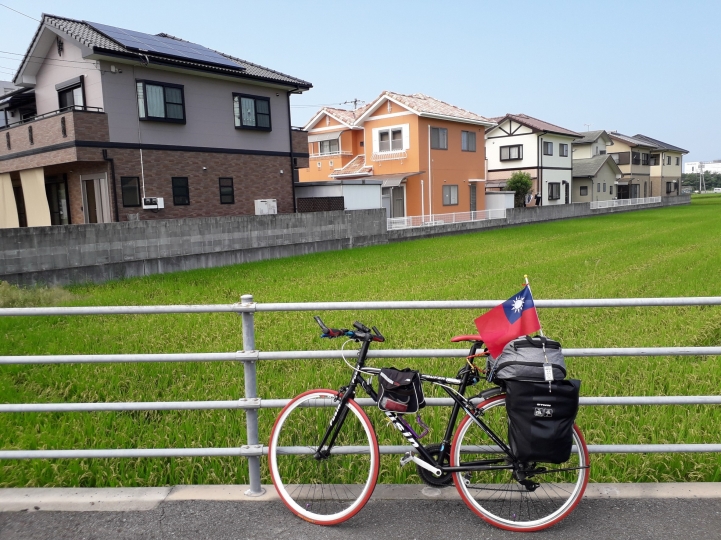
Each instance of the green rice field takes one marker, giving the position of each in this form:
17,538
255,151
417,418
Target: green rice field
661,252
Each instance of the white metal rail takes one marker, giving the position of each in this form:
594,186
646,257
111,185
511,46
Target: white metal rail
624,202
250,403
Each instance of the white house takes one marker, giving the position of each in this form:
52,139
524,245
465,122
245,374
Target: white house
523,143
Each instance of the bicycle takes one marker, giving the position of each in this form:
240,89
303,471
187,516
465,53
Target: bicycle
324,456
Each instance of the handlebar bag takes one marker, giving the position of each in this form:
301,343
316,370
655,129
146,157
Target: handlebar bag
400,391
524,359
540,423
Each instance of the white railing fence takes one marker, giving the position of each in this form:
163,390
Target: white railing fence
444,219
251,402
624,202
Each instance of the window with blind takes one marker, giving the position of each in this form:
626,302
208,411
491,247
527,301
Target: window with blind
547,148
161,102
227,194
563,150
468,141
554,191
390,140
509,153
450,195
439,138
251,112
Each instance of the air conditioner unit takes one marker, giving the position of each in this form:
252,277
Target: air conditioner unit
153,203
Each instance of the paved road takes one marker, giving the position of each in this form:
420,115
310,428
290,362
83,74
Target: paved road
617,519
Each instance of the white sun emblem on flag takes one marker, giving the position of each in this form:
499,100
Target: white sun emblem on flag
517,304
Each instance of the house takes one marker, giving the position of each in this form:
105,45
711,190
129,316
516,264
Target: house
633,156
595,173
666,165
522,143
428,154
113,125
5,88
694,167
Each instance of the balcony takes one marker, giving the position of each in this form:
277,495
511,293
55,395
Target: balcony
322,155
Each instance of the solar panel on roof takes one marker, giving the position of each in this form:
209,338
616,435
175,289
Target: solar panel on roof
164,46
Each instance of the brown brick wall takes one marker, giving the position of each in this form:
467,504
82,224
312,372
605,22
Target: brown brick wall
299,139
254,177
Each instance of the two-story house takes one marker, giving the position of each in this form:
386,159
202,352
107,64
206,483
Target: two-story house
113,124
522,143
428,154
595,173
633,156
666,166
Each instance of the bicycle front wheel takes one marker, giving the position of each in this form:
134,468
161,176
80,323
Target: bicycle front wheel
326,489
497,496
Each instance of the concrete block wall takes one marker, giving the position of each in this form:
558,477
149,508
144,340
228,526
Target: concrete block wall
78,253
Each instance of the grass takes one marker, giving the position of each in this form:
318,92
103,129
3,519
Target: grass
661,252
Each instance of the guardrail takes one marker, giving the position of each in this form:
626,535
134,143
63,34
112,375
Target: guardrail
251,402
624,202
444,219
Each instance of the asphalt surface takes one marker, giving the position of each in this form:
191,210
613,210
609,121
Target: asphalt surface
617,519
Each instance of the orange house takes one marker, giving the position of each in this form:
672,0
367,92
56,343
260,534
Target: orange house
429,155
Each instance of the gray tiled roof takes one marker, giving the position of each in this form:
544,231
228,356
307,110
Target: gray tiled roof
89,36
660,145
583,168
631,141
588,136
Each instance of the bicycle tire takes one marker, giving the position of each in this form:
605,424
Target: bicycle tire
496,497
324,491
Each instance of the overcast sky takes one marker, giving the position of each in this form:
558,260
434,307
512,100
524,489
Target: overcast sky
650,67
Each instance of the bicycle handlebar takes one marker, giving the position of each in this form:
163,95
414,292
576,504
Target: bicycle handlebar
361,333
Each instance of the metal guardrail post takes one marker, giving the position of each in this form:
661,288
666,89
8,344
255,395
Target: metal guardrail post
251,391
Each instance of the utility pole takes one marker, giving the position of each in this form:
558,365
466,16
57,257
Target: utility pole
701,179
355,102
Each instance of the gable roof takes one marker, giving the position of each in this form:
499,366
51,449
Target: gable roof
589,137
86,34
538,125
660,145
589,167
344,116
427,106
630,141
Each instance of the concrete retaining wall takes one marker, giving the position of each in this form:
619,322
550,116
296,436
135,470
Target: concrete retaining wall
78,253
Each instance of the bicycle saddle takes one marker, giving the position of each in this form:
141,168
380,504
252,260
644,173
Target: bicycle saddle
469,337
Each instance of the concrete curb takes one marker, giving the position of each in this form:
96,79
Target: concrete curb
140,499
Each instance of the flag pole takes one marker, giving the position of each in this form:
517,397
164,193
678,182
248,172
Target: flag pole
540,331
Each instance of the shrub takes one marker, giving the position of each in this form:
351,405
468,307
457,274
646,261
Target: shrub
521,183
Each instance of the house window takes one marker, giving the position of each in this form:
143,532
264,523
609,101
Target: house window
655,160
563,150
598,188
439,138
63,129
669,187
547,148
181,192
635,158
468,141
251,112
71,97
668,160
130,188
161,102
604,187
644,159
450,195
583,191
610,189
678,161
390,140
554,191
329,147
30,135
595,150
7,140
227,194
509,153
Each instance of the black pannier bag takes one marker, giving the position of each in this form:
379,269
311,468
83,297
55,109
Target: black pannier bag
524,360
400,391
540,423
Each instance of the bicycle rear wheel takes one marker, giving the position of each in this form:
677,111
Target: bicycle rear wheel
496,496
330,489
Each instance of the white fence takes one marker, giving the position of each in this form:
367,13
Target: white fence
249,356
444,219
624,202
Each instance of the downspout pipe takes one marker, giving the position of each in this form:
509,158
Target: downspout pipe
539,164
290,140
112,174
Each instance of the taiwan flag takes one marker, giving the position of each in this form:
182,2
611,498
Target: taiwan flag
513,318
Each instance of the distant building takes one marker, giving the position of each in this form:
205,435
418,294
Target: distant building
694,167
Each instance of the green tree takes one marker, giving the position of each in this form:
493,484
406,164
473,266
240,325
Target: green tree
521,183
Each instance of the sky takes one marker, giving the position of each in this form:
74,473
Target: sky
649,67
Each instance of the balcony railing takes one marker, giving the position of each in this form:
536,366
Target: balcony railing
81,108
624,202
322,155
387,156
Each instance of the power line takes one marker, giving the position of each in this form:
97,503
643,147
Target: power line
20,12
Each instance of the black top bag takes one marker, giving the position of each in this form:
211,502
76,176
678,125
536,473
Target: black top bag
400,391
540,423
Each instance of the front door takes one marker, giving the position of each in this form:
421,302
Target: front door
623,192
634,191
386,201
96,206
473,197
399,204
56,189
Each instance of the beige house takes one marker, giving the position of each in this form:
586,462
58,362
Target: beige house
633,156
595,178
666,166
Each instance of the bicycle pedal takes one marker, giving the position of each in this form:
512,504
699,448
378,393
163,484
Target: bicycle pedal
407,458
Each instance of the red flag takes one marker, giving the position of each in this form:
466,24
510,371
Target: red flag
513,318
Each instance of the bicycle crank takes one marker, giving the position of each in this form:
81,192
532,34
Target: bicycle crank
408,457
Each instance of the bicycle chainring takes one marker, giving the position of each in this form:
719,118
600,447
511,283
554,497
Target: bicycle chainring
445,479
